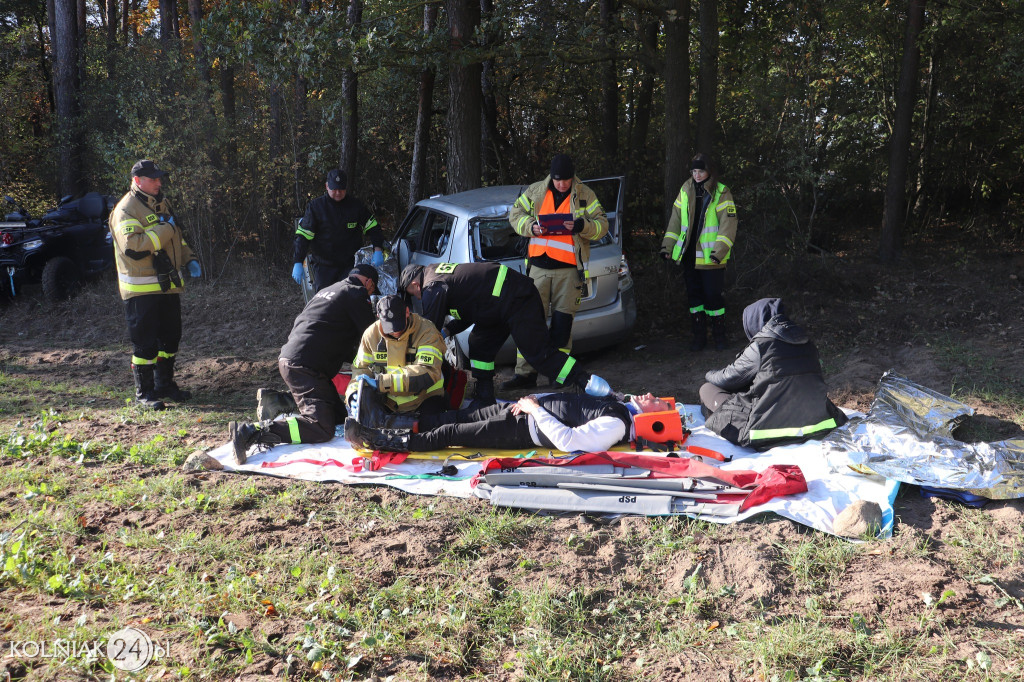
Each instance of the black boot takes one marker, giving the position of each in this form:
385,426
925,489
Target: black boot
483,394
388,440
718,332
244,435
165,386
520,381
144,393
270,403
699,324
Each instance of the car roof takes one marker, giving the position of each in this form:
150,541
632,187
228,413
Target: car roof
476,202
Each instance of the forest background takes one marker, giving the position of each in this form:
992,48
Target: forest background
905,113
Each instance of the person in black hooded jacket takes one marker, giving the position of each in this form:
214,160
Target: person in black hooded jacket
773,393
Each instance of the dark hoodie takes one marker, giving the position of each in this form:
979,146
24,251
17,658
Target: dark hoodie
779,395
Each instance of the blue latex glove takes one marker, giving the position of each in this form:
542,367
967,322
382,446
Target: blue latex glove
194,269
597,386
377,259
297,273
368,379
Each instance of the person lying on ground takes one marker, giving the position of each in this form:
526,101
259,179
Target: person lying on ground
555,421
774,392
323,337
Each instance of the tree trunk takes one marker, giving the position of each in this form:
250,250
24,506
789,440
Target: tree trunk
65,92
677,100
899,146
195,15
227,89
301,94
707,76
464,98
111,26
276,205
423,116
166,20
350,105
126,7
489,136
609,93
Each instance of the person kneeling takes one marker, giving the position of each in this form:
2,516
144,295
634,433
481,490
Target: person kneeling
556,421
773,393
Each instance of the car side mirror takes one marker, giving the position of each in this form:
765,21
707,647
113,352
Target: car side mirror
404,253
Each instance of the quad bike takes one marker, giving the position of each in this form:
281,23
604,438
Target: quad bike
59,249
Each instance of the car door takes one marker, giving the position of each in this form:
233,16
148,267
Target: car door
427,236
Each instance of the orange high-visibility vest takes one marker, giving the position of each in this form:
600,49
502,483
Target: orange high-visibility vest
557,247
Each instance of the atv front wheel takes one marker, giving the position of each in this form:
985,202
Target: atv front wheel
61,279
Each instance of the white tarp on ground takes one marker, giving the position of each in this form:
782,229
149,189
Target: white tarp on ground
831,485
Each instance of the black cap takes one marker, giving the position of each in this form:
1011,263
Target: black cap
366,270
336,179
391,313
409,274
699,164
147,169
562,168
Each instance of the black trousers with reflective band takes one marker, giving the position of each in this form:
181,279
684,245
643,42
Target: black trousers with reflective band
154,324
493,426
320,407
704,288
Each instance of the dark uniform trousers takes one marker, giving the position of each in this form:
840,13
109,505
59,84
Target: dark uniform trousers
320,407
325,274
525,319
154,324
486,427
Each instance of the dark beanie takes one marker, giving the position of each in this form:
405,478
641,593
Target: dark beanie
562,168
698,164
366,270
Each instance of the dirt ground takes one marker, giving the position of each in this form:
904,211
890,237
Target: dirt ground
946,318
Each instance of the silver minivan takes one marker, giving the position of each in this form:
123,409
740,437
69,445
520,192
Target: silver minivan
471,227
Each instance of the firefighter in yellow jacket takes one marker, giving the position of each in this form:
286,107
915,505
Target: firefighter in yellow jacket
561,216
401,356
150,252
699,237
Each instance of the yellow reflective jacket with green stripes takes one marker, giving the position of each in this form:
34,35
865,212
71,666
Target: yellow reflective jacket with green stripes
523,214
140,225
407,369
717,234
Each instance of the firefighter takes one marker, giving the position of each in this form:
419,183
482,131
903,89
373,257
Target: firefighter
324,335
773,393
331,232
150,252
497,301
561,216
558,421
700,236
400,356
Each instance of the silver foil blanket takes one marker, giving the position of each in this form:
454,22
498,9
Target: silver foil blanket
907,436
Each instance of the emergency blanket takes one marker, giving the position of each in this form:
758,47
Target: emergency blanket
908,436
831,484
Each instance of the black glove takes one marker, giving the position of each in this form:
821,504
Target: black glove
715,258
166,273
577,226
665,255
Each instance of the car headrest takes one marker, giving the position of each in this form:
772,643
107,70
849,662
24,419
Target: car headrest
91,205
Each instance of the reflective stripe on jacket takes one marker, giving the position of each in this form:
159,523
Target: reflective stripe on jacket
716,235
408,369
523,214
139,226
